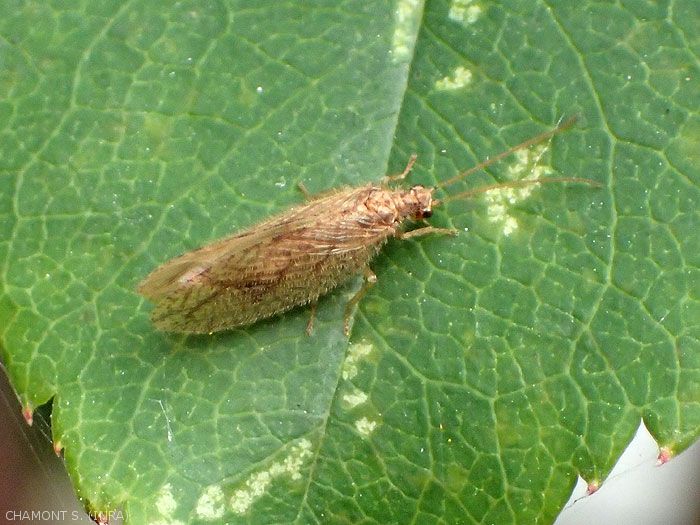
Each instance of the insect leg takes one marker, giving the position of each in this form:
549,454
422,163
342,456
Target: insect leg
370,279
305,191
406,170
312,318
427,230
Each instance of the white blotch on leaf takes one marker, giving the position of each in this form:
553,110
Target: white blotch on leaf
364,426
460,77
464,11
498,200
406,20
166,505
356,352
210,505
256,485
509,226
355,398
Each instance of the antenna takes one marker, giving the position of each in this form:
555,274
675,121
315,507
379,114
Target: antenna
516,184
562,126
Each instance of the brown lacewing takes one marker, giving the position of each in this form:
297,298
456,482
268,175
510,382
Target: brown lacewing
300,254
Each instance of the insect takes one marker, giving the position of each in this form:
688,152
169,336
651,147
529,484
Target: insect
297,256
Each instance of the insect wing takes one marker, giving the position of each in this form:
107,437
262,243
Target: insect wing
287,260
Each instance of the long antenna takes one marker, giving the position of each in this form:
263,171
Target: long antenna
515,184
529,142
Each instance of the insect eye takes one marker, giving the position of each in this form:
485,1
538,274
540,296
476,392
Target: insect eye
426,214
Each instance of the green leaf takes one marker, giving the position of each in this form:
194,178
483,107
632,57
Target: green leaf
484,371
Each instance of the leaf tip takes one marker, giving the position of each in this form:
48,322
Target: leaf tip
28,414
665,455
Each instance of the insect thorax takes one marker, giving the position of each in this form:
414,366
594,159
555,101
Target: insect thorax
414,203
393,206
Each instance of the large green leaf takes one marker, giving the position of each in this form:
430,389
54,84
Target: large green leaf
483,372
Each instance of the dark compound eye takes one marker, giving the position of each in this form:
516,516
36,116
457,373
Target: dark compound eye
427,214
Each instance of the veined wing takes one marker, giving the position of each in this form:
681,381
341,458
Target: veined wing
286,260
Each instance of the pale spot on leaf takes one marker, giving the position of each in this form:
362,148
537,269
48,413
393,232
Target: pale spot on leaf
406,17
210,505
256,485
499,200
460,78
355,398
365,426
356,352
464,11
166,504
